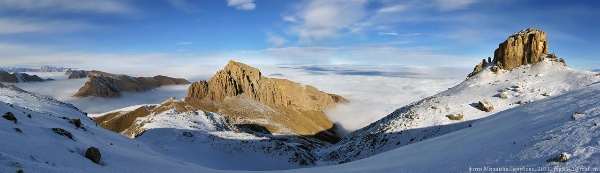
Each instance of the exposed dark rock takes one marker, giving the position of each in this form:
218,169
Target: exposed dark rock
76,122
10,117
93,154
563,157
63,132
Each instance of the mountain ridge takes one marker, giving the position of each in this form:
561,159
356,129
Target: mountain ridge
103,84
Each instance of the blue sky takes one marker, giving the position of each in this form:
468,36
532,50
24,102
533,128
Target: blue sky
457,33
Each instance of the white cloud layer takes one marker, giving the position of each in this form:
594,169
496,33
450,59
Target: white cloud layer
242,4
373,91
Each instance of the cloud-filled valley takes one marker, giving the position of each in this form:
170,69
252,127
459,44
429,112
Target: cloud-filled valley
373,91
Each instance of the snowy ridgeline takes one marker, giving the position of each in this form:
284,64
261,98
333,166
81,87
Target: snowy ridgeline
37,144
458,108
534,119
523,139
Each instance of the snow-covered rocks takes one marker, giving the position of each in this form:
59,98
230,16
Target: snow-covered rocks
455,116
485,105
418,121
562,157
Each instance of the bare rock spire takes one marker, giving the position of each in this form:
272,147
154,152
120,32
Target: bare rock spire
527,46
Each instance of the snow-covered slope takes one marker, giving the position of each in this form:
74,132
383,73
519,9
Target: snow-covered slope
521,139
212,140
31,145
428,118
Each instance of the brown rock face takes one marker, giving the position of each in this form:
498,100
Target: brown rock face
242,93
124,121
101,84
18,77
527,46
238,78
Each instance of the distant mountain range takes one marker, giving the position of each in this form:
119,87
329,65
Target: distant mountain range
41,69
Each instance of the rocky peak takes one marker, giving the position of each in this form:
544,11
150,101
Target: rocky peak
238,78
281,106
527,46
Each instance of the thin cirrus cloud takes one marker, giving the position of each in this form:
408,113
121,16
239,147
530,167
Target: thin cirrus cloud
447,5
388,33
392,9
242,4
18,26
320,20
67,6
276,40
185,43
182,5
315,20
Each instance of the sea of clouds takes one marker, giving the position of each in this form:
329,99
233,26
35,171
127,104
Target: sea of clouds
373,91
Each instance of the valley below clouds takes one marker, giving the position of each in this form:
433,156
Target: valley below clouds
373,91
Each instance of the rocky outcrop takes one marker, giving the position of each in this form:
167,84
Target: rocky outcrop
485,105
124,122
18,77
10,117
527,46
93,154
238,78
562,157
102,84
246,96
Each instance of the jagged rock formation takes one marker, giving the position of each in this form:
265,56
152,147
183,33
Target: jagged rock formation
18,77
527,46
102,84
279,105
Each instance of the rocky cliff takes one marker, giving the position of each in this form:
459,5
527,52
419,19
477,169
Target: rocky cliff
279,105
527,46
18,77
102,84
238,78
